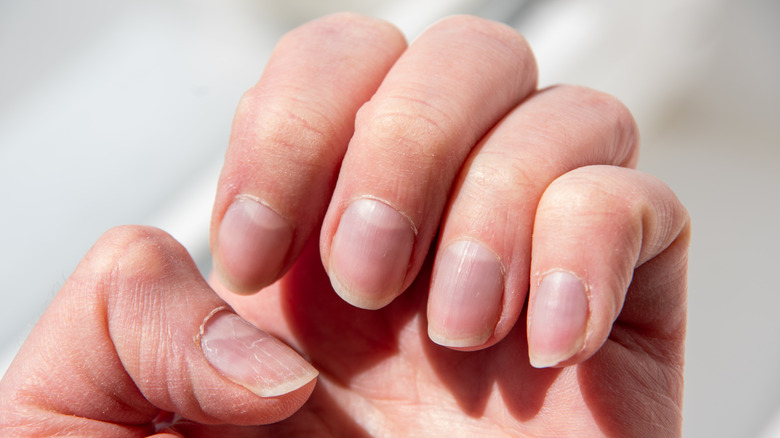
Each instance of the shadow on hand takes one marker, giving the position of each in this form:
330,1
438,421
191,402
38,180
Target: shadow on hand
633,386
341,340
305,422
322,418
472,376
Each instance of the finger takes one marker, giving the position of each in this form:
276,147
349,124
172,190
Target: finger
449,88
594,226
288,138
136,331
481,272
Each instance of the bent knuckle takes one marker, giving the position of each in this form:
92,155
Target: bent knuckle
584,193
611,114
472,26
492,38
408,127
500,179
287,127
128,254
345,25
617,115
296,130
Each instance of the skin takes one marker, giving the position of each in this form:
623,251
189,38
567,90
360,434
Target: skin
451,134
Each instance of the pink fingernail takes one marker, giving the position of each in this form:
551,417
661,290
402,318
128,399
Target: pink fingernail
466,294
251,357
370,254
253,243
558,320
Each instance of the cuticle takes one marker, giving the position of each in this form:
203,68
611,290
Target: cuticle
408,218
208,317
244,196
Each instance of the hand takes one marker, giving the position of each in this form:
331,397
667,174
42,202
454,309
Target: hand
529,192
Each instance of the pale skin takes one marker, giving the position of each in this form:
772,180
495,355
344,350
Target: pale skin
455,252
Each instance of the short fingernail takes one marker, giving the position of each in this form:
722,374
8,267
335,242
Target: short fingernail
253,243
370,254
466,294
559,319
251,357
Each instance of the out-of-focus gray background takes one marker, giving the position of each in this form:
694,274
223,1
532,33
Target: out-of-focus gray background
119,112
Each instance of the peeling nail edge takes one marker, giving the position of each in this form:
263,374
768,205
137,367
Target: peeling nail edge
208,317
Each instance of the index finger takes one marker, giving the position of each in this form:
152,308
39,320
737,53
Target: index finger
288,137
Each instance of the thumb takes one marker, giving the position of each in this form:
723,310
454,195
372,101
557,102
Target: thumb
136,332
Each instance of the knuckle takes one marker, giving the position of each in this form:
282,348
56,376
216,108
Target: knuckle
299,131
405,126
601,103
591,205
349,24
584,193
614,111
488,34
287,127
501,178
126,253
612,114
471,26
339,20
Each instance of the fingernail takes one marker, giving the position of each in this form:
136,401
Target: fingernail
465,298
253,243
370,254
251,357
559,319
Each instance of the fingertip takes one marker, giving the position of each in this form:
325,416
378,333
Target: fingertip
370,254
558,319
253,242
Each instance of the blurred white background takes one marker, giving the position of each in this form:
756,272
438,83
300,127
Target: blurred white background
119,112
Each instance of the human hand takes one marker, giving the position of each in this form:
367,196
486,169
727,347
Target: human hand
135,335
536,205
530,194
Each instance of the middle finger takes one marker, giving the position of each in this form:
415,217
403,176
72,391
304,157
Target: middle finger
444,93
